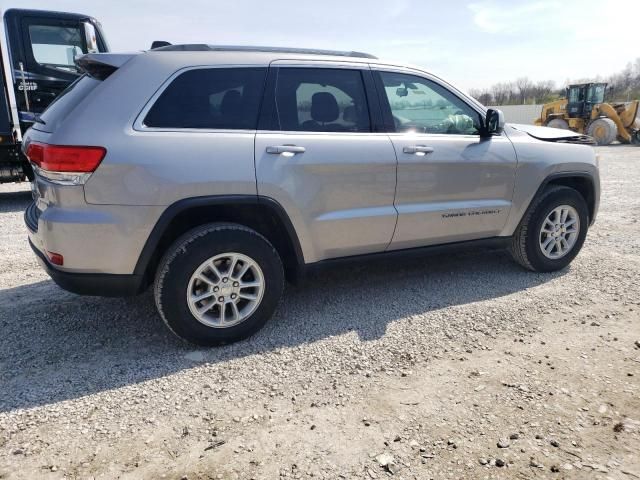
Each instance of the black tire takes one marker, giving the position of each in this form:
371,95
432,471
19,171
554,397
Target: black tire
525,244
603,130
184,257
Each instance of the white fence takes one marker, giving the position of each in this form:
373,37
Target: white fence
520,113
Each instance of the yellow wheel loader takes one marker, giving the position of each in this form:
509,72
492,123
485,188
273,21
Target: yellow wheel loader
585,111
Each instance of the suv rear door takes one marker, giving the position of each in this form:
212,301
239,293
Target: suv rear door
318,155
453,185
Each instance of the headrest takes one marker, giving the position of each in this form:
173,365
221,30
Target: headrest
324,107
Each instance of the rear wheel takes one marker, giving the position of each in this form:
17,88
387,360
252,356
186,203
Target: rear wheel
218,284
603,130
558,123
553,231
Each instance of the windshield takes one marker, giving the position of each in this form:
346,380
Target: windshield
57,46
596,93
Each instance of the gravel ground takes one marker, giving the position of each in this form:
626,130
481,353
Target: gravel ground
462,366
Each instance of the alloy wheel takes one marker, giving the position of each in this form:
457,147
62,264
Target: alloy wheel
225,290
559,232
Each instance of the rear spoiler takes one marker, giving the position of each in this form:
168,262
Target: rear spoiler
101,65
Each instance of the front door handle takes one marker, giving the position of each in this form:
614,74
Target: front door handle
278,149
418,149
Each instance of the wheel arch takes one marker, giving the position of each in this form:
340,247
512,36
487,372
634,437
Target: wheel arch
582,182
262,214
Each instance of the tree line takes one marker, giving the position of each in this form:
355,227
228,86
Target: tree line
622,87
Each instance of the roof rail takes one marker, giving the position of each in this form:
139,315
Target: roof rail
201,47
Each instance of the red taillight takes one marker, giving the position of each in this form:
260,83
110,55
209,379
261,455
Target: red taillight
59,158
55,258
35,153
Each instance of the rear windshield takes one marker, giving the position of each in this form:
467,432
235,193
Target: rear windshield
64,104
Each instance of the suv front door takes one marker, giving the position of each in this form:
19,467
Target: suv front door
317,155
453,185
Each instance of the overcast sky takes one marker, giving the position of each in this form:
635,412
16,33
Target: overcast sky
471,43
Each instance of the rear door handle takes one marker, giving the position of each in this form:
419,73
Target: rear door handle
418,149
278,149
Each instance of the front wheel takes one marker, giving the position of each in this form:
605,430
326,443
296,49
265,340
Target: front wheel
603,130
218,283
553,230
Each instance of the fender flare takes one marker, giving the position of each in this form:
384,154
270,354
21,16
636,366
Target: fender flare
212,201
555,176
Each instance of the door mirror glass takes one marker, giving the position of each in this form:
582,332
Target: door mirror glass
90,37
494,122
75,52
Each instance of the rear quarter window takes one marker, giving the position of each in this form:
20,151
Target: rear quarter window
65,103
210,98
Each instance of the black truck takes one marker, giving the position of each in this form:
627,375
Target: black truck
38,52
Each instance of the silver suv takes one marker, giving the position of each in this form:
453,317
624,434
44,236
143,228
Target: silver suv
215,173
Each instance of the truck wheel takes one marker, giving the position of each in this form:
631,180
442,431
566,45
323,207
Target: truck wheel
218,283
603,130
558,123
553,230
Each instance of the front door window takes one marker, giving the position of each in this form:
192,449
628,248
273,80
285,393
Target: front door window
421,106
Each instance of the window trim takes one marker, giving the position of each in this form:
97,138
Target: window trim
385,106
138,123
269,121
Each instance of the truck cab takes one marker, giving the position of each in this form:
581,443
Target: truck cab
38,62
583,97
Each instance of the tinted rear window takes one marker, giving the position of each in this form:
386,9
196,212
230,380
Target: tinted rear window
64,104
322,100
211,98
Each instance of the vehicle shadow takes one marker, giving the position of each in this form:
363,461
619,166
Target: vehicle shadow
57,346
14,201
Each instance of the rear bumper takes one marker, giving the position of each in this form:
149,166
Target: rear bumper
31,216
98,284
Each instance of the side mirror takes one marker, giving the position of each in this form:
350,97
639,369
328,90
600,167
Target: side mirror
494,122
90,37
74,53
